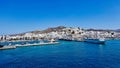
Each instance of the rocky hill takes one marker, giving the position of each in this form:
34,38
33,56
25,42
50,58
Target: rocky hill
53,29
59,28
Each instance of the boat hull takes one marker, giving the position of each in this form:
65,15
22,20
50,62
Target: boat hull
95,41
66,39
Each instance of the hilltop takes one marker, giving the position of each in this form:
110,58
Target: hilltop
59,29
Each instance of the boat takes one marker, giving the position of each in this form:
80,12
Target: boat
52,40
1,46
95,41
66,39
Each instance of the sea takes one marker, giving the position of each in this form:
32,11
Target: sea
66,54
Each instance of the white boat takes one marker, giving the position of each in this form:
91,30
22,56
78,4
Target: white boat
52,40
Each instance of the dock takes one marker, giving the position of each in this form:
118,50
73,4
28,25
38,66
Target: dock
37,44
7,47
26,45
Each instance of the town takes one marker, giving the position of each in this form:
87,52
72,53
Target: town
63,33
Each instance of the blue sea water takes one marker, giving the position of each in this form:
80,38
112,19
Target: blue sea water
67,54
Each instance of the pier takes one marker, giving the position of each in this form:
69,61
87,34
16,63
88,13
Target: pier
37,44
7,47
26,45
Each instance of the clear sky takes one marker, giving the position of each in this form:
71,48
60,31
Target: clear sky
18,16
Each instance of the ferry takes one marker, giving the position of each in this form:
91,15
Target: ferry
95,41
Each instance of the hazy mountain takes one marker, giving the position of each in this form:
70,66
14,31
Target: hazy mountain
106,30
118,30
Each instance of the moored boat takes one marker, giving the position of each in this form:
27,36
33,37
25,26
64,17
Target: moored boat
95,41
1,46
66,39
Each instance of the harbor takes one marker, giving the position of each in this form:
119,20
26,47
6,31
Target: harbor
23,44
75,46
58,33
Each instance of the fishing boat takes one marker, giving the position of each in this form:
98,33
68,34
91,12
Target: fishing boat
95,41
